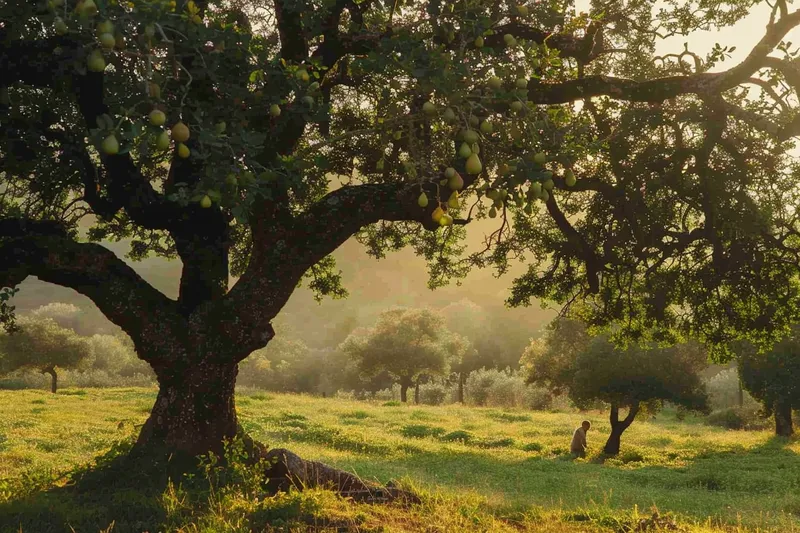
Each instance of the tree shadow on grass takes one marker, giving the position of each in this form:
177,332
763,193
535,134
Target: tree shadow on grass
118,494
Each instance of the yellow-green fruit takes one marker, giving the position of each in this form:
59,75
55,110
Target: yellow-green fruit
479,42
492,212
471,136
449,115
453,200
95,61
495,83
492,194
205,202
110,145
522,11
180,132
540,158
428,108
443,182
107,40
569,178
536,187
154,90
509,39
275,110
449,172
473,165
437,214
230,179
516,106
308,100
157,117
60,26
486,127
476,149
522,83
446,220
88,8
183,151
498,203
503,169
456,182
548,185
379,165
528,209
545,196
302,75
474,121
397,135
464,151
221,127
162,141
105,27
422,201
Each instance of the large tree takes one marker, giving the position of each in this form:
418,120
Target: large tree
408,344
43,345
591,369
297,124
771,378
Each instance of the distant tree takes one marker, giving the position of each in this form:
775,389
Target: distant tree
405,343
464,359
112,354
589,369
772,378
43,345
66,315
284,365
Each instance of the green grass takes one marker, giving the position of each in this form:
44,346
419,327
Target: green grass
477,469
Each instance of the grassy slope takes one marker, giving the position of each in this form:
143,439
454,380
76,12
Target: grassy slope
511,466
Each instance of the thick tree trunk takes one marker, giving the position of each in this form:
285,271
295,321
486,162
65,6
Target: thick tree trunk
403,393
194,412
53,378
461,379
618,427
783,419
416,392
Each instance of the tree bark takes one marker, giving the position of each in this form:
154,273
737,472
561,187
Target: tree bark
783,419
461,379
403,392
416,392
741,394
53,378
618,427
194,412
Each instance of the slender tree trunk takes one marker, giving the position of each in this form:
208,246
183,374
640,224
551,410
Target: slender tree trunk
783,419
741,394
416,392
618,427
461,379
404,392
194,412
53,378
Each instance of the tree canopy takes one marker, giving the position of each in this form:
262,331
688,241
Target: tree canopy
771,378
254,138
592,369
405,343
43,345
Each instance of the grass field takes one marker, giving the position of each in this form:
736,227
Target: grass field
477,469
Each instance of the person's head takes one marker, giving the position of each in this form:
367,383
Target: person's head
586,425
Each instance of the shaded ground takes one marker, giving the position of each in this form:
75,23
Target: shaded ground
481,469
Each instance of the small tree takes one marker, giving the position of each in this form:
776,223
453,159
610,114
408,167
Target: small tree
771,378
463,358
43,345
406,343
591,369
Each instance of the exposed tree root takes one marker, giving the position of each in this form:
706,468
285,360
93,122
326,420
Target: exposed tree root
290,470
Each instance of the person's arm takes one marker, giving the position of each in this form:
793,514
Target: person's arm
583,440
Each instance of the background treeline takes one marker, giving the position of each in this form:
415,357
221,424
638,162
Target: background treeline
469,353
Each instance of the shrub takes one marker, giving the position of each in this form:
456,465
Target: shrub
737,418
533,447
433,394
723,390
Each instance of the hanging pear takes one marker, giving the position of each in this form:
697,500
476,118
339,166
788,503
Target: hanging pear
453,200
473,165
456,182
422,201
465,151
